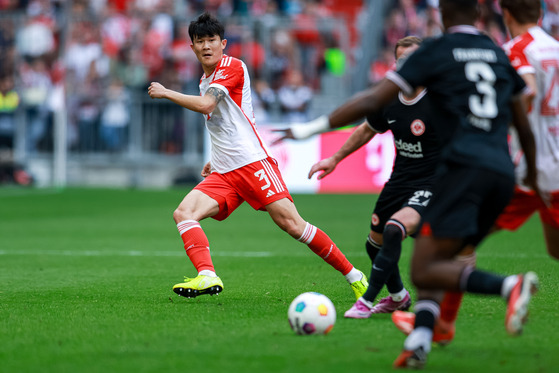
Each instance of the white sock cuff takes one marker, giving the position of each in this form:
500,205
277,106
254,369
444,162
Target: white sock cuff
308,234
508,284
187,225
399,296
469,259
353,275
207,272
374,243
366,302
429,306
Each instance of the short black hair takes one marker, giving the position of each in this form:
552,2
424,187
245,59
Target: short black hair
206,25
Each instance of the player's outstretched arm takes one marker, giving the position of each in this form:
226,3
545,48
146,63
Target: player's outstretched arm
353,110
201,104
360,136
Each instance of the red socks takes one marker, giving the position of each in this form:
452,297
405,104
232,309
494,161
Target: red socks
196,244
450,305
324,247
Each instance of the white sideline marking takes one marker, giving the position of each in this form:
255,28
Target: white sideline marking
246,254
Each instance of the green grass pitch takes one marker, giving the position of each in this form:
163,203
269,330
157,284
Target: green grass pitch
86,277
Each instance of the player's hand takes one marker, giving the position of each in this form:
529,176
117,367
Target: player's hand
156,90
301,131
207,170
285,134
327,165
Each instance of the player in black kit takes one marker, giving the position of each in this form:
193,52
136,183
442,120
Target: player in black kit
399,207
477,93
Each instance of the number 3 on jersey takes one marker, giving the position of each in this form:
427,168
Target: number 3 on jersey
483,105
261,175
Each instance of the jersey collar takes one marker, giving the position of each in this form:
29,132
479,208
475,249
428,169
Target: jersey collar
463,29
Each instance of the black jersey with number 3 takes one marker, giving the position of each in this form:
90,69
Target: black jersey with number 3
471,83
417,144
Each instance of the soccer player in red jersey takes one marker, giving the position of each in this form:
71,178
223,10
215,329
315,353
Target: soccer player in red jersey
535,56
241,166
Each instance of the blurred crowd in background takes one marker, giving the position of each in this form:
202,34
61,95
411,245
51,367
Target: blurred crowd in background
95,58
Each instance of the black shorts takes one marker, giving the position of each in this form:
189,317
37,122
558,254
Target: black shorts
393,199
467,202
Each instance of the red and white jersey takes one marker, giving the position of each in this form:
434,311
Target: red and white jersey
232,127
535,52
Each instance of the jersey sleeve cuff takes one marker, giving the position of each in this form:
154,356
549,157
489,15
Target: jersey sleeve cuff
219,86
400,82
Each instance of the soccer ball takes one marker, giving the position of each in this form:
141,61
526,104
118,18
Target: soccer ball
311,313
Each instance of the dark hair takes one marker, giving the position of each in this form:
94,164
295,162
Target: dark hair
408,41
206,25
523,11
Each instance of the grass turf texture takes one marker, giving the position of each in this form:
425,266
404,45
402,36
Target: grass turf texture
86,279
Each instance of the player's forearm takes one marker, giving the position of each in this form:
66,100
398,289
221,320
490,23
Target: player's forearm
200,104
363,104
525,135
360,136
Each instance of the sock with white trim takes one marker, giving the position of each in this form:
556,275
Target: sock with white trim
324,247
196,245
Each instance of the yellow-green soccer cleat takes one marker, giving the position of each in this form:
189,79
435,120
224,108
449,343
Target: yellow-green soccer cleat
192,287
360,287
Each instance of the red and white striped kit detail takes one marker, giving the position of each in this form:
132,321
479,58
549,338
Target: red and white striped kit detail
187,225
308,234
272,175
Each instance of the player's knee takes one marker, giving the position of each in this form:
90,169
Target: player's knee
394,232
181,214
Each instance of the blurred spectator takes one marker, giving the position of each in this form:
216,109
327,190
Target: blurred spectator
36,86
184,60
295,98
35,39
84,57
115,117
263,100
382,65
130,68
116,30
395,27
282,58
9,103
86,68
7,45
307,34
550,21
248,50
334,56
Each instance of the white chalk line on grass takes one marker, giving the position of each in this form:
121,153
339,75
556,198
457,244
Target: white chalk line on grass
131,253
245,254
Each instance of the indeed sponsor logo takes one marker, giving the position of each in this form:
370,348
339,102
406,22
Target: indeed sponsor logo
408,147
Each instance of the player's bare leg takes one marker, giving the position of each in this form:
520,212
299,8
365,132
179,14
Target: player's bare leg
285,215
